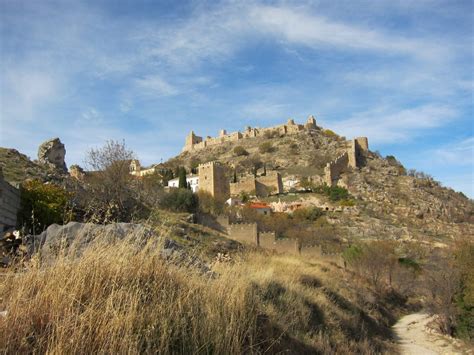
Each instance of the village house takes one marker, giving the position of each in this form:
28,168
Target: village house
192,180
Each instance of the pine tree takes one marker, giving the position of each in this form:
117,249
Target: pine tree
235,177
182,184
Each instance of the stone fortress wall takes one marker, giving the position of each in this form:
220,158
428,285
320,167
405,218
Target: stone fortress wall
248,233
352,158
194,142
9,204
261,186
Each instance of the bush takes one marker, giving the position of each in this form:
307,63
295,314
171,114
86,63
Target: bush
329,133
240,151
209,204
308,214
43,205
335,193
179,200
266,148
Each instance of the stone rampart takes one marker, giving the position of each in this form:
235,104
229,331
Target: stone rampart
246,185
194,142
270,184
335,168
244,232
261,186
9,204
266,240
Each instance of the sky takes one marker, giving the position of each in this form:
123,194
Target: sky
397,71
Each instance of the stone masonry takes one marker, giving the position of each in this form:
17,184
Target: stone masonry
212,179
194,142
352,158
9,204
261,186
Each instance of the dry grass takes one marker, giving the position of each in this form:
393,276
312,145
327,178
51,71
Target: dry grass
120,299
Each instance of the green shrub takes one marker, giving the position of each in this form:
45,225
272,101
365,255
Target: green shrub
335,193
266,148
43,205
329,133
179,200
309,214
240,151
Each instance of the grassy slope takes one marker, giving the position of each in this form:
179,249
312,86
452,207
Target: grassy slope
18,167
115,299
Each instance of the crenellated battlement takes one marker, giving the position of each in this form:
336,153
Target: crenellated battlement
194,142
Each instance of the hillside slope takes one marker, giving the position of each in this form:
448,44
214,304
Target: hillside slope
389,203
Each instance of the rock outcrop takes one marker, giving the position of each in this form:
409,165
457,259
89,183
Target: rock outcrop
52,153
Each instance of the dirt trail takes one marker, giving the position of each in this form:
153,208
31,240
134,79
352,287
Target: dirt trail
414,338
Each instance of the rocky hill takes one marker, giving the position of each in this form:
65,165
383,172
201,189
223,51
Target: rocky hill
17,167
389,202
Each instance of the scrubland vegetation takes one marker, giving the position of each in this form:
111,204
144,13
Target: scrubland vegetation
124,299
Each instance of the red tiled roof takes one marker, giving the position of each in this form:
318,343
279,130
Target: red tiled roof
259,205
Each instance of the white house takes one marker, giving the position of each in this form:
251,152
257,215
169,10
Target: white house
192,180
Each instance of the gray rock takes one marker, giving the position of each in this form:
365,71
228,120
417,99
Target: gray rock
52,153
74,237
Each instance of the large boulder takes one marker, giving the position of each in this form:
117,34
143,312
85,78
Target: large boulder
52,153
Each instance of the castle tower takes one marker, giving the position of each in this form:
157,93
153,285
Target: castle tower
222,133
191,140
311,122
357,151
291,122
212,179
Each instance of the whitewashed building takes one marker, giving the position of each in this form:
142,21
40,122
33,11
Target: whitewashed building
192,180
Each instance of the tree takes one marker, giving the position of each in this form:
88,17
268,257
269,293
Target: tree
240,151
109,187
179,200
43,205
234,180
266,147
182,184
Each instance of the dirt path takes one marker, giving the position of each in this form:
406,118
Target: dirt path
414,338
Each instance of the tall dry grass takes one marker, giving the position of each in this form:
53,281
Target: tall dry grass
120,299
115,300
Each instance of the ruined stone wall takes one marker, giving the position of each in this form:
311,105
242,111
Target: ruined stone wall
247,185
357,151
311,251
272,184
288,246
266,240
244,232
9,203
194,142
262,186
335,168
212,179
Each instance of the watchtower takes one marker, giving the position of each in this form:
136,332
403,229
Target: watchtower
212,179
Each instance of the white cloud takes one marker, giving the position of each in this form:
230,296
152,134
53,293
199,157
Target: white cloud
459,153
156,85
388,125
301,27
25,91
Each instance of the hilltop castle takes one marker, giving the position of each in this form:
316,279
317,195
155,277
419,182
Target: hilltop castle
194,142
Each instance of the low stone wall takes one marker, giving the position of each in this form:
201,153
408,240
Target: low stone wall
9,204
244,232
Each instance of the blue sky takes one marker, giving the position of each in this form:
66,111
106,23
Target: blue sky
397,71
